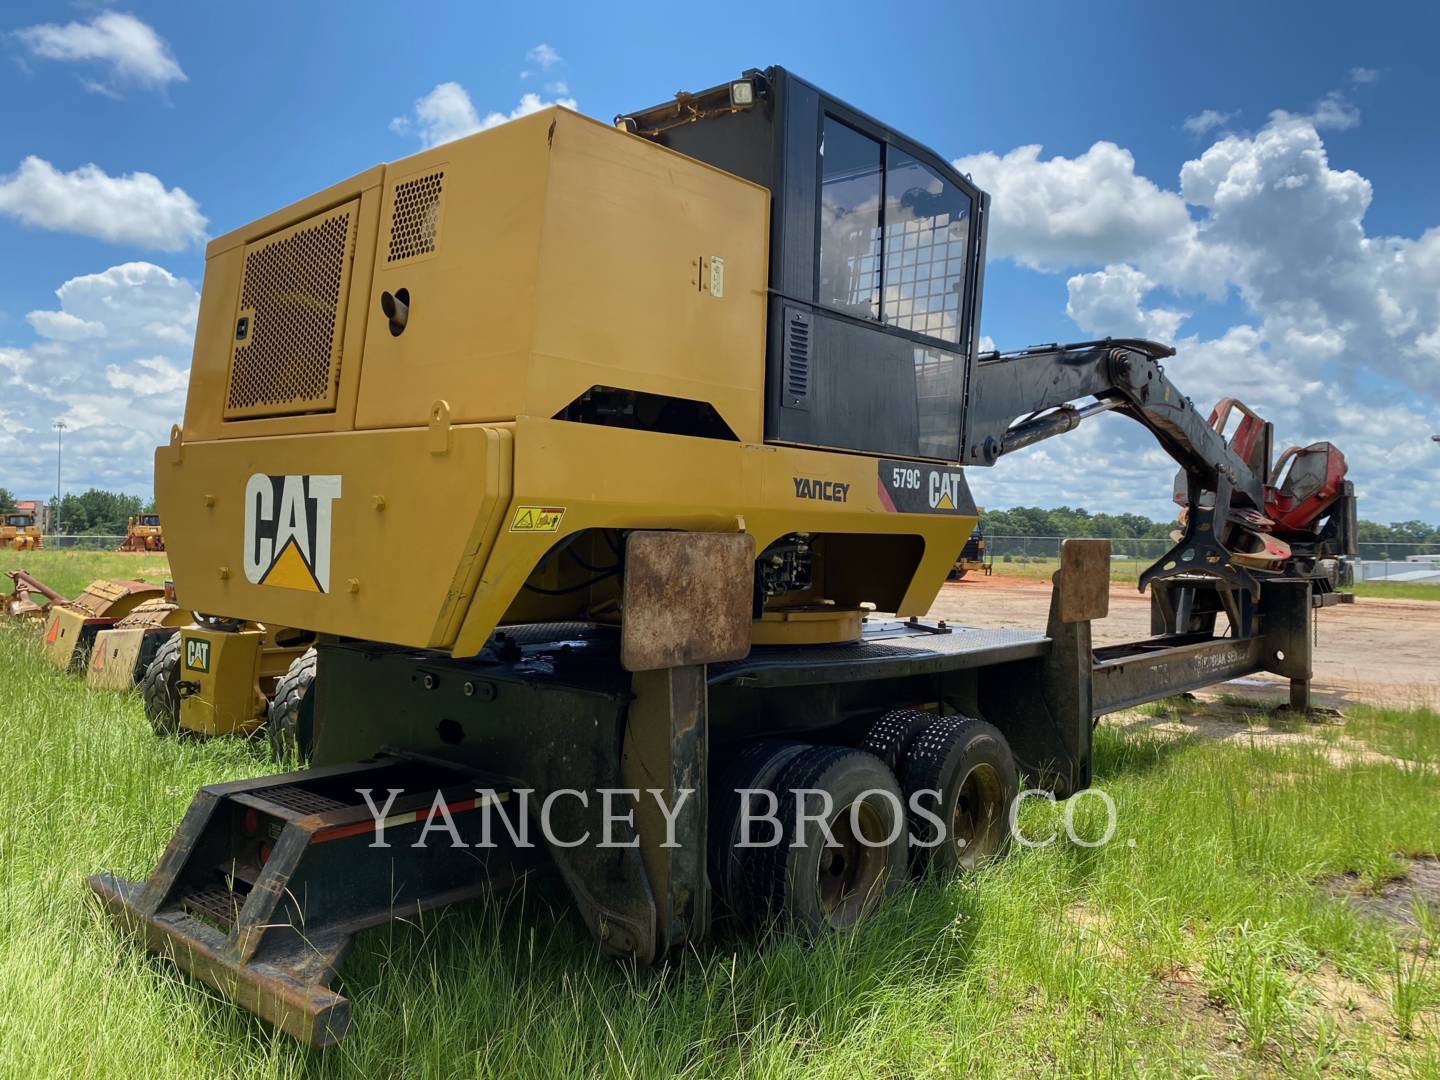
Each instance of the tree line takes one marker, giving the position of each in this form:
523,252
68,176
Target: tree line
90,513
1068,521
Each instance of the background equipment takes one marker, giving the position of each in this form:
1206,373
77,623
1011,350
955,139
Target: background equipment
143,533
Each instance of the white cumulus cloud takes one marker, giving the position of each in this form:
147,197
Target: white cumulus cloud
1341,334
112,362
1206,120
128,48
545,56
1107,303
133,209
447,113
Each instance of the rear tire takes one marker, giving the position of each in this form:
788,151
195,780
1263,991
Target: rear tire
969,762
818,887
159,687
889,738
754,769
291,715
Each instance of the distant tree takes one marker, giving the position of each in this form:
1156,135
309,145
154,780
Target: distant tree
7,500
98,513
1065,521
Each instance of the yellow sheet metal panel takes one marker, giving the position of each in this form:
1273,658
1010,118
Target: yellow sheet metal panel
222,669
368,534
554,254
62,637
653,271
221,302
459,231
113,658
617,478
287,345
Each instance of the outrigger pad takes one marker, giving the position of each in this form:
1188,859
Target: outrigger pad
266,882
1084,580
688,599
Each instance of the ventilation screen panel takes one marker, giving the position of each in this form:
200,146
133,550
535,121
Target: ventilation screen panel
289,328
415,217
796,368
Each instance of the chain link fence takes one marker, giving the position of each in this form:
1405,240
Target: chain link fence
56,542
1378,561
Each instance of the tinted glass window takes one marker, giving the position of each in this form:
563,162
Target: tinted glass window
927,228
849,220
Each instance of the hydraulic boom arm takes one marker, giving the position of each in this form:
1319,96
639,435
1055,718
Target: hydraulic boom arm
1018,399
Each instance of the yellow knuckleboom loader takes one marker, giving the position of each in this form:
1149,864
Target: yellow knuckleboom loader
685,402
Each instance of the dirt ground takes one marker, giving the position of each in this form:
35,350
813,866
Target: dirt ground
1383,652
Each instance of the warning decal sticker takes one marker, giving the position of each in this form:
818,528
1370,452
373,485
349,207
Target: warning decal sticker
537,519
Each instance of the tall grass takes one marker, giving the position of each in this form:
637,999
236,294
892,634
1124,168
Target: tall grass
1189,945
68,572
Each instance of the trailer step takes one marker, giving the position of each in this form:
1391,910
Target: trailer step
266,882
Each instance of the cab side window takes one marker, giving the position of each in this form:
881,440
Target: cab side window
927,231
850,200
894,235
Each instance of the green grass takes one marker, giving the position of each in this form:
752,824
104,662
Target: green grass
1128,571
1209,946
68,572
1395,590
1123,570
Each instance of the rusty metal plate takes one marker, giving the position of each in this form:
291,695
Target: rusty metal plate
113,659
687,599
1084,580
113,598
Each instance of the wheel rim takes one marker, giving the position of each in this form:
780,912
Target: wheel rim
850,877
977,819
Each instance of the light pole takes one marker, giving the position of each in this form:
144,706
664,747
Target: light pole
59,426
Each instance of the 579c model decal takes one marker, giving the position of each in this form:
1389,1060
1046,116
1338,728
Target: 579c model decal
910,487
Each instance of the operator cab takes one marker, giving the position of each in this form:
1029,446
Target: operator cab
877,251
19,521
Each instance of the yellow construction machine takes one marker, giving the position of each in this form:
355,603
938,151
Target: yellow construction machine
684,401
71,626
973,558
18,531
122,652
143,532
218,676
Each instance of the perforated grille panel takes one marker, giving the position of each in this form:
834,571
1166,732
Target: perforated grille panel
415,219
290,325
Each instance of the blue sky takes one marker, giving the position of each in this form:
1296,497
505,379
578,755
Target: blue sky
1287,254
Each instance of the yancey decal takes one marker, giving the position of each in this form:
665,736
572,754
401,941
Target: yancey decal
824,490
288,529
908,487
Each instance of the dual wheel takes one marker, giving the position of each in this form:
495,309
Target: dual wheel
817,836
